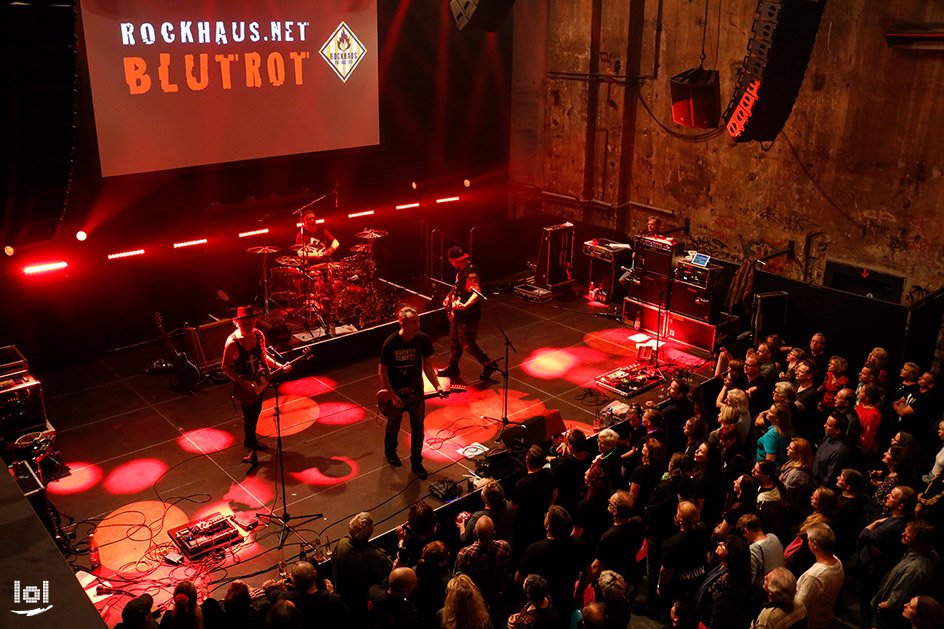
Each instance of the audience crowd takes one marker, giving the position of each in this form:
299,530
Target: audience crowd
799,482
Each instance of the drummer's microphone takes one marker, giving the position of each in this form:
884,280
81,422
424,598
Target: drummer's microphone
479,294
274,353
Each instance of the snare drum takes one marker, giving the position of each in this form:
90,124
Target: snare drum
285,283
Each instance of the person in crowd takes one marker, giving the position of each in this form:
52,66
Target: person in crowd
721,596
284,615
621,544
772,446
611,456
797,557
878,361
745,501
914,410
496,507
881,544
818,588
938,466
654,423
646,475
818,356
782,610
923,612
846,404
850,511
684,614
832,453
765,548
870,418
318,605
914,571
186,613
661,510
561,558
539,612
866,377
793,358
432,576
729,416
420,529
390,607
770,500
778,351
615,595
695,431
741,403
785,393
684,558
733,461
531,497
907,381
758,389
569,469
357,564
487,561
807,399
676,409
797,479
464,607
592,516
836,379
709,493
765,354
138,614
731,372
893,461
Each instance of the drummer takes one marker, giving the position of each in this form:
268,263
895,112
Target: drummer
316,237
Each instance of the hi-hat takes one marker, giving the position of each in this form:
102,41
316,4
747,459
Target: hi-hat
264,249
289,261
371,234
360,248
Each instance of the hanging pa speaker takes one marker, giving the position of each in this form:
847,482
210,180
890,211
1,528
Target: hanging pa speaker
696,98
487,15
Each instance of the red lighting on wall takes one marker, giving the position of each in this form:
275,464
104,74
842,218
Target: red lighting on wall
126,254
407,206
42,268
255,232
356,214
447,200
190,243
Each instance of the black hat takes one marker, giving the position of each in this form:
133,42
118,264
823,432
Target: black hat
136,611
457,253
244,312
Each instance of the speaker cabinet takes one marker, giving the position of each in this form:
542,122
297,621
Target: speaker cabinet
685,330
534,430
204,344
487,15
652,289
695,302
646,314
770,77
696,98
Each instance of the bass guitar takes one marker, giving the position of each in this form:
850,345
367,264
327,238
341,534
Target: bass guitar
387,407
185,372
260,380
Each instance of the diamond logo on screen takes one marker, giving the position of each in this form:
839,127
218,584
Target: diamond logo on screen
343,51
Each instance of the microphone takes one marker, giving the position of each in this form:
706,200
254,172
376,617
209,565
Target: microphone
277,355
479,294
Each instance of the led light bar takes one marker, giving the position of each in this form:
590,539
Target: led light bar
317,222
254,233
190,243
42,268
447,200
356,214
406,206
125,254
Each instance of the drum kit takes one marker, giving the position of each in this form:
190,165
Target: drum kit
310,288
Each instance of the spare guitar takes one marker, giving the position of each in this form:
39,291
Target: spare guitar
387,407
185,372
260,380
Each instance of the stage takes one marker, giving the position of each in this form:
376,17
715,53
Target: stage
145,458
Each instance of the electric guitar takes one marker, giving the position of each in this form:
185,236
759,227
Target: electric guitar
185,372
387,407
260,380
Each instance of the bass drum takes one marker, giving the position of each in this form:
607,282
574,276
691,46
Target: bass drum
285,283
349,305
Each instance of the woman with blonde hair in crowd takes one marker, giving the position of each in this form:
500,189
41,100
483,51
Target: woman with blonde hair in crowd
464,607
797,556
797,478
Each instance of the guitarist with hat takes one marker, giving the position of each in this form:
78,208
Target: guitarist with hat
403,361
244,359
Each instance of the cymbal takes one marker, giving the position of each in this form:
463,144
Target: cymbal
360,248
372,234
289,261
264,249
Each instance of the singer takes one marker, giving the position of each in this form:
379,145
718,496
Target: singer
463,303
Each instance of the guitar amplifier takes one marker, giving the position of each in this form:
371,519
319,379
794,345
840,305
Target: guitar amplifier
651,289
701,276
696,302
204,344
21,406
657,255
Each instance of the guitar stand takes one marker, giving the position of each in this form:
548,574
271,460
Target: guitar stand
505,422
285,517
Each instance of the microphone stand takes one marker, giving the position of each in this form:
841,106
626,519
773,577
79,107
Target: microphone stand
655,355
504,372
280,455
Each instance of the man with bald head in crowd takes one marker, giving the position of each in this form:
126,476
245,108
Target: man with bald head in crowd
319,606
390,608
487,561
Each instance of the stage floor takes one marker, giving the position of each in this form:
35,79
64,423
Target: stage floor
145,458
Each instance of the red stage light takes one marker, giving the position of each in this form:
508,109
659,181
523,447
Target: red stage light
308,387
340,414
253,491
346,470
466,183
447,200
42,268
356,214
9,250
81,236
414,185
82,477
255,232
296,413
135,476
126,254
190,243
406,206
206,440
